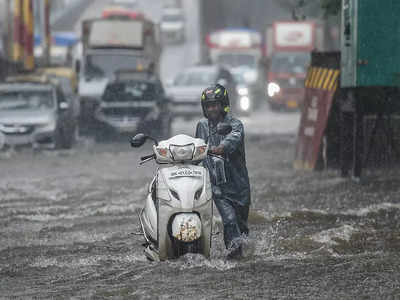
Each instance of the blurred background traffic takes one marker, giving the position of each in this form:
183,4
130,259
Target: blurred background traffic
112,68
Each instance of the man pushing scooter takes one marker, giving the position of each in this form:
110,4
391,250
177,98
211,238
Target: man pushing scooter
231,195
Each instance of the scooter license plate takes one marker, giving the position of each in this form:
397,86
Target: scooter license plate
186,173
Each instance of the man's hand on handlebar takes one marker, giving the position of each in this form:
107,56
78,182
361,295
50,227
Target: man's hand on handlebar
219,150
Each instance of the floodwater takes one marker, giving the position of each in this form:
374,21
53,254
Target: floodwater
68,224
68,219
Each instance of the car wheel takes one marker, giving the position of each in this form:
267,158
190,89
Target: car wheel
63,138
58,138
68,139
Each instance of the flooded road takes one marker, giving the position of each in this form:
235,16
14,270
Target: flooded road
68,221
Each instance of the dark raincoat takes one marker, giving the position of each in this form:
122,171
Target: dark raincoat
232,197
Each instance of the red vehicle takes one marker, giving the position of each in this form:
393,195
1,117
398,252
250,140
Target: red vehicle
288,48
118,12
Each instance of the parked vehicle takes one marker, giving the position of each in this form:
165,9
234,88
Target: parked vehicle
68,81
185,89
173,25
135,103
35,113
178,210
288,47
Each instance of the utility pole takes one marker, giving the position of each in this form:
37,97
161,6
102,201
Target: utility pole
17,32
29,61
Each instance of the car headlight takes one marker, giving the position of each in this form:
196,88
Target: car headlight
244,103
180,153
273,88
47,127
243,91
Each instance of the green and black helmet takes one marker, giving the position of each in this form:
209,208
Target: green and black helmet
215,93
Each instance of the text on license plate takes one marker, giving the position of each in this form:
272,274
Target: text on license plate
186,173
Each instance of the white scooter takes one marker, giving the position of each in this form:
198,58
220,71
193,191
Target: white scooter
178,212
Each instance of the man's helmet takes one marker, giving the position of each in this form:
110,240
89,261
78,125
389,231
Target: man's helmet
213,94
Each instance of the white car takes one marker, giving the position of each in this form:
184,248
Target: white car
185,90
173,25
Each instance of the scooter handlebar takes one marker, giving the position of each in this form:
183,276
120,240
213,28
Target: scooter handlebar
215,155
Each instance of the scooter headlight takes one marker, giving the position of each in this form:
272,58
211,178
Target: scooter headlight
244,103
273,88
180,153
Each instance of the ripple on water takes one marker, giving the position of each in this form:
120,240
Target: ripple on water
95,260
191,261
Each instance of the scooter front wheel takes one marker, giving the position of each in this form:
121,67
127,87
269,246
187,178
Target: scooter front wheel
182,248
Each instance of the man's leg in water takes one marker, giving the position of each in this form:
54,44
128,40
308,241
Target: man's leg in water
242,215
232,231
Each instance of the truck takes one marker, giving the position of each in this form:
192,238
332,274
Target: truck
241,51
117,41
173,25
288,48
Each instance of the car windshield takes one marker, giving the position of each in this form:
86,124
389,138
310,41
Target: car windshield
101,65
131,91
236,60
290,62
195,78
239,77
26,100
172,18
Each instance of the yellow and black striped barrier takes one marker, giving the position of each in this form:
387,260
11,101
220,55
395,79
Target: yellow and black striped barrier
322,78
322,81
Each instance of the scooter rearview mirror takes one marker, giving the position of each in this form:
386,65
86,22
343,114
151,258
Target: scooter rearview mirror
224,128
138,140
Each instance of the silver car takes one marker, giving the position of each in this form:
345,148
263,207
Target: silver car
36,114
185,90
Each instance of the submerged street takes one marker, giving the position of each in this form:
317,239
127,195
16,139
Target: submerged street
69,218
69,226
